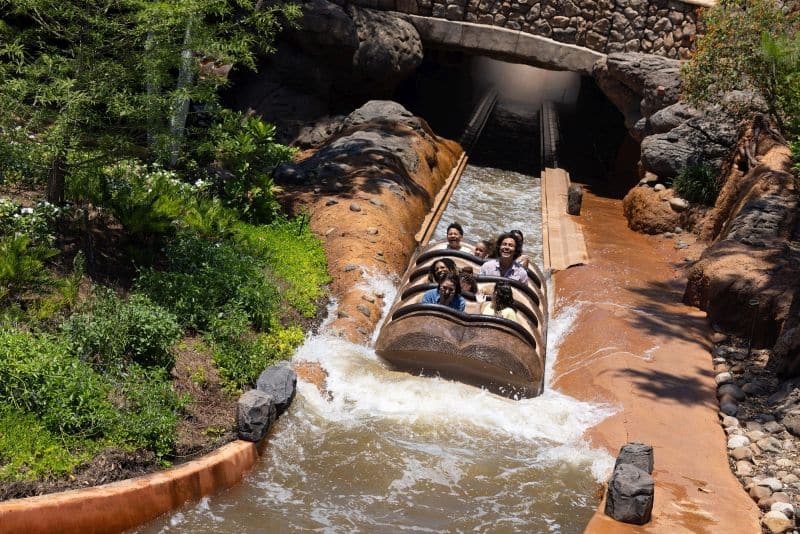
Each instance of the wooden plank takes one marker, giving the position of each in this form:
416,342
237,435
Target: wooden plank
562,239
440,202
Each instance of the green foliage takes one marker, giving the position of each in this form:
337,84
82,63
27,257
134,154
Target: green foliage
750,45
145,203
294,254
34,222
245,147
150,410
241,358
57,392
38,375
795,147
204,276
697,183
115,331
28,450
22,267
82,81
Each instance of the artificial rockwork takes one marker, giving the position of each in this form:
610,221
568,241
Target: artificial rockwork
661,27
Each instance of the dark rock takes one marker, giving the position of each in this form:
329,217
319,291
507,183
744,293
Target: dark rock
706,140
792,423
638,454
255,412
279,381
630,495
574,199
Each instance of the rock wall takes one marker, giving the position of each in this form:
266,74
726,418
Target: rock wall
338,58
663,27
752,257
368,188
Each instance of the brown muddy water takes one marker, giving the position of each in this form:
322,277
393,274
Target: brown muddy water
388,451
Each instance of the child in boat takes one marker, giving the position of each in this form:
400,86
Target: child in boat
502,303
467,279
506,265
454,235
522,258
483,249
447,294
440,267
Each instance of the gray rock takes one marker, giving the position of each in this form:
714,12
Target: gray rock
738,441
255,412
574,199
355,207
770,444
744,469
785,508
772,483
730,389
365,311
728,405
350,267
280,382
630,495
723,378
742,453
730,421
638,454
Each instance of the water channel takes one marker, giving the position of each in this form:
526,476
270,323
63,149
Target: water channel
388,451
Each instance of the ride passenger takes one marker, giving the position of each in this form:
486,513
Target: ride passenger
454,235
523,259
483,249
502,303
467,280
447,294
440,267
508,248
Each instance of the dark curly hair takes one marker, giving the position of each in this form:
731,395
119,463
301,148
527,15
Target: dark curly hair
503,297
450,264
517,244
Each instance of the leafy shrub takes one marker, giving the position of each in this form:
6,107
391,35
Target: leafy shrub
22,266
752,46
145,202
115,330
240,359
697,183
245,146
34,222
203,277
294,254
28,450
150,409
38,375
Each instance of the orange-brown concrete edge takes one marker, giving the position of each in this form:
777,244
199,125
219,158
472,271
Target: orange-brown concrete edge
125,504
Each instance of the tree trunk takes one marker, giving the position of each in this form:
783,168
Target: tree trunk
55,179
181,108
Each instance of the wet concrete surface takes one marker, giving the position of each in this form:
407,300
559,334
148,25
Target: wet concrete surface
636,346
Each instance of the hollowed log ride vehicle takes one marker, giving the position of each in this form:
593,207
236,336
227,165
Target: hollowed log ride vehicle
506,357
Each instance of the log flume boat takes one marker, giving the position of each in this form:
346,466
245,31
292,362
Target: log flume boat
504,356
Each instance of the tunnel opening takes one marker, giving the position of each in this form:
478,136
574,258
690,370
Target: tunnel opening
595,145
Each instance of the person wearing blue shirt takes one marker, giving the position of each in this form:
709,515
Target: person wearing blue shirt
447,294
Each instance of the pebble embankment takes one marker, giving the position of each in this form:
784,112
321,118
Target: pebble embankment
761,418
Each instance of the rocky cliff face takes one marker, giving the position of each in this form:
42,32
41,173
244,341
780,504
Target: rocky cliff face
337,59
753,227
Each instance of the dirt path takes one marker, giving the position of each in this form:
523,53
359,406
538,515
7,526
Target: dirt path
635,346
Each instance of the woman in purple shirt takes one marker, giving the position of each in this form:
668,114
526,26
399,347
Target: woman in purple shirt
505,265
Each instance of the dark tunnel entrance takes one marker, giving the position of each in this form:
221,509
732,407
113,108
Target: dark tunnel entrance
596,147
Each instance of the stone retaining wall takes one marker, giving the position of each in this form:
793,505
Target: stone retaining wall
663,27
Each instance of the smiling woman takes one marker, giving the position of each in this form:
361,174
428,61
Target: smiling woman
505,265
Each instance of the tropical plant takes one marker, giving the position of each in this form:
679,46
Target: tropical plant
750,45
697,183
22,267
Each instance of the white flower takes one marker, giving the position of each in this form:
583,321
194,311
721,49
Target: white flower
26,211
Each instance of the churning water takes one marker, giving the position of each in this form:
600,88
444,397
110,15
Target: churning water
387,451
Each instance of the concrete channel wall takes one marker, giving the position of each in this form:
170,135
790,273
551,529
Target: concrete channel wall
128,503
